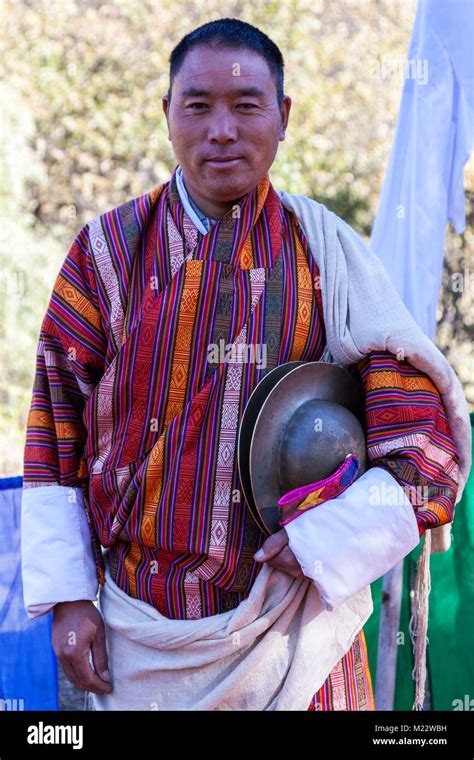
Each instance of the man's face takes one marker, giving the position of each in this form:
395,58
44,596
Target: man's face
224,105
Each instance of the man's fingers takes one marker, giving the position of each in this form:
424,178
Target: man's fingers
99,654
285,568
279,555
90,679
76,680
273,545
84,676
287,562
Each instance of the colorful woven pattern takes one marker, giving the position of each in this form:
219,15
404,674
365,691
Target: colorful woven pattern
408,434
349,684
124,354
293,503
144,367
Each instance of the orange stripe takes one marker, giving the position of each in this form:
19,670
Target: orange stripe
131,563
77,301
394,380
304,296
182,352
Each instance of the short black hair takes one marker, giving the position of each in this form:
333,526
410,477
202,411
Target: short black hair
230,33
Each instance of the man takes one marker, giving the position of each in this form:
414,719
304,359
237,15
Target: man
133,422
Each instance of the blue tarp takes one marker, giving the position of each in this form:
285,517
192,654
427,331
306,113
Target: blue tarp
28,667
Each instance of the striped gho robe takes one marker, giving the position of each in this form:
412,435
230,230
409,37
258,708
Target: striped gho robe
131,406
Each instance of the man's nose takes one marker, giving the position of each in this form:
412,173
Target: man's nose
223,127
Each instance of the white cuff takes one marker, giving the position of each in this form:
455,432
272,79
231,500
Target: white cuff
57,560
348,542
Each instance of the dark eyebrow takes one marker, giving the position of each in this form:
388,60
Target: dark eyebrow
196,92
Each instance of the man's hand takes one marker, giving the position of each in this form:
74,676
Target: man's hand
78,628
277,553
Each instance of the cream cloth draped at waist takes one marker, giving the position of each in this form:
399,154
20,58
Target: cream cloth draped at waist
272,652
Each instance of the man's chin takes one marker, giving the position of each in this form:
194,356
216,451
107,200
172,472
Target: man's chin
225,188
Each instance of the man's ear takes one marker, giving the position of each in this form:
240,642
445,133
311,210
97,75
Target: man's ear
285,115
165,104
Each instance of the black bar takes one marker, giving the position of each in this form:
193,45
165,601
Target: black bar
219,734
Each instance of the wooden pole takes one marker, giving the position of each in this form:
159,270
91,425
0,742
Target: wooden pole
388,644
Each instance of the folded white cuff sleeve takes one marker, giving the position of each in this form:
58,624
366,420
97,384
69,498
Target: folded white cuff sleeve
348,542
57,561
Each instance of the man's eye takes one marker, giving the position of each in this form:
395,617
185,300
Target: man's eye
200,106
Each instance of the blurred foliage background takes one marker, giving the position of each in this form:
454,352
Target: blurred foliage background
83,131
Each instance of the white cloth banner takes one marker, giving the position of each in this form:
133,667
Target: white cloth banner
423,186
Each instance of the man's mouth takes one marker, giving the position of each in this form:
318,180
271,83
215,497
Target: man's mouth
222,163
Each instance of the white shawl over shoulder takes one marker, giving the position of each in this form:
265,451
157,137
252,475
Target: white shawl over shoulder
363,312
